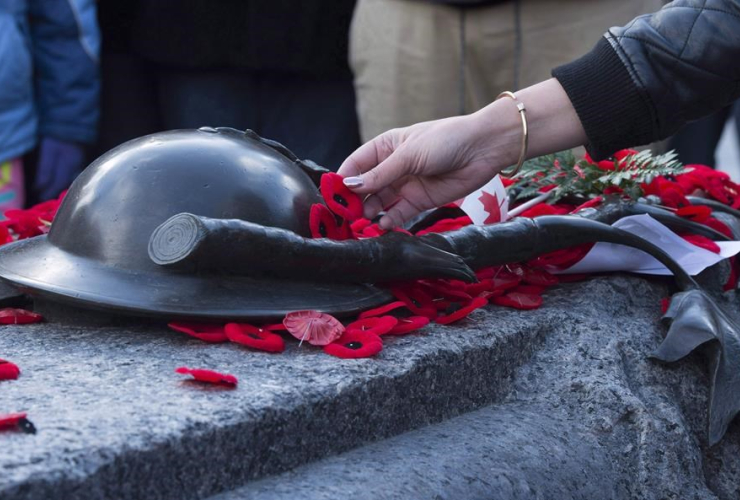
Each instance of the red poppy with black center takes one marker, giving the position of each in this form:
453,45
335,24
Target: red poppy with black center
518,300
378,325
213,334
458,311
355,344
339,198
254,337
380,311
324,224
11,421
8,370
408,325
418,301
12,316
208,376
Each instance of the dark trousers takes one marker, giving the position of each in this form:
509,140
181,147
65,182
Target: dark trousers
696,142
315,118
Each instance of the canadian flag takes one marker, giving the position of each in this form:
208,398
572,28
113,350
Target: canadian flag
487,205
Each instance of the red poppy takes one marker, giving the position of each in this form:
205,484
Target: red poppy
720,226
5,236
209,376
24,223
544,209
339,198
380,311
518,300
12,316
444,289
486,273
408,325
533,276
665,302
359,225
324,224
613,190
702,242
460,311
594,202
417,300
213,334
379,325
475,289
8,370
562,259
697,213
11,421
673,197
355,344
504,280
254,337
444,225
314,327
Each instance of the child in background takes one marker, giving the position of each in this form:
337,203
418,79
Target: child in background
49,87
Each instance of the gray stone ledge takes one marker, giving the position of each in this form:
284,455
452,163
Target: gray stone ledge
115,421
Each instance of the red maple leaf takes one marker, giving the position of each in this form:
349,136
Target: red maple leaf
490,205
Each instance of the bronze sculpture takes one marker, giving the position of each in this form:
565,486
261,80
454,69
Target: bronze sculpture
227,213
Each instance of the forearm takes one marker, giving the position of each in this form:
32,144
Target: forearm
553,124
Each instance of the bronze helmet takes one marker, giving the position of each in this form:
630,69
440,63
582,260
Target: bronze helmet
95,254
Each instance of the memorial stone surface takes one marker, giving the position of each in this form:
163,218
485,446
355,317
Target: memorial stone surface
560,402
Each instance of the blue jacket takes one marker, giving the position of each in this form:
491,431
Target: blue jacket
49,81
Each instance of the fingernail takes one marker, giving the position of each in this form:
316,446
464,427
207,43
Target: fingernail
353,182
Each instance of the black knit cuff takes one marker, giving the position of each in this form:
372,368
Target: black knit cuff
613,112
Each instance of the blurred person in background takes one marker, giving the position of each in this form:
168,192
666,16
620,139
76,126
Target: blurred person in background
277,67
697,142
420,60
49,88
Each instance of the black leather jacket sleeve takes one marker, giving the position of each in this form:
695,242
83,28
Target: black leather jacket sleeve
645,80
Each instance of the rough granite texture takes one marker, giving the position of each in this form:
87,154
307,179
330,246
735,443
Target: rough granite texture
579,411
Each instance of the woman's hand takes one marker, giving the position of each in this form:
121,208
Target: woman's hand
408,170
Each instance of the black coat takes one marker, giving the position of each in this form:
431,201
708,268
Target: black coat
644,81
309,37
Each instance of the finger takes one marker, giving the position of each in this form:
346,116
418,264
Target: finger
384,198
368,156
399,213
395,167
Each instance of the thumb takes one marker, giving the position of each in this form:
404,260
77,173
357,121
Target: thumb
386,173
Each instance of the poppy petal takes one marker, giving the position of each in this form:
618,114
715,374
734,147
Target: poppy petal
664,303
697,213
314,327
323,224
11,421
213,334
462,312
538,277
208,376
339,198
518,300
380,311
8,370
378,325
408,325
254,337
530,289
12,316
702,242
418,301
355,344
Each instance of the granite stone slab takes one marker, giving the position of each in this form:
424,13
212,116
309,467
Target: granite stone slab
115,421
588,417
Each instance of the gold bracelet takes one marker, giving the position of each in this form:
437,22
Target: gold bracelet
525,135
